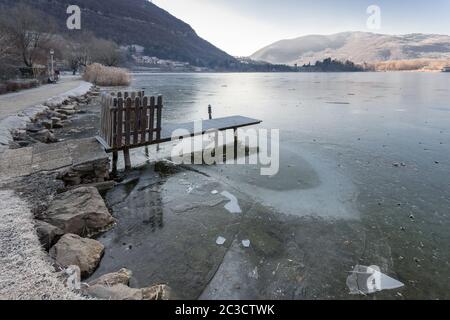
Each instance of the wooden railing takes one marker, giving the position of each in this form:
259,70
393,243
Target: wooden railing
129,120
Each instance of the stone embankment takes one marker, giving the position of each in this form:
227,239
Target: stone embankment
57,208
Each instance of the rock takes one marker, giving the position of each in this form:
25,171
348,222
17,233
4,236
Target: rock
159,292
34,127
45,136
23,143
123,276
47,124
74,250
54,103
55,120
66,112
114,286
58,125
102,186
73,278
69,107
80,211
87,172
54,114
19,134
72,179
48,234
123,292
166,168
115,293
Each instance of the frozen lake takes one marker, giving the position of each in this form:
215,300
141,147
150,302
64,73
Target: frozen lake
364,179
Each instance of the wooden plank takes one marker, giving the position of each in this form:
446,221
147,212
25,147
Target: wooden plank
152,120
144,119
159,118
220,124
119,123
113,122
127,158
128,105
104,144
114,163
137,120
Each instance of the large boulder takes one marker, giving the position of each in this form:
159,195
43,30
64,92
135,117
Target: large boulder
55,102
117,292
80,211
48,234
123,276
74,250
114,286
123,292
45,136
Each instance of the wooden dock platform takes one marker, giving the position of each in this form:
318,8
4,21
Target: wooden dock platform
220,124
132,120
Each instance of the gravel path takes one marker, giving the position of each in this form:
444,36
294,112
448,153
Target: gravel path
25,270
13,103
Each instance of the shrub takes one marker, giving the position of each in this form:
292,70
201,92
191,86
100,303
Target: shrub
12,86
412,65
106,76
16,85
3,89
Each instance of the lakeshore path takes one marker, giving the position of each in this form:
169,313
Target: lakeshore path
13,103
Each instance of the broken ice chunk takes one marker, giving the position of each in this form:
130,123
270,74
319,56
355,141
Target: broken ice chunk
221,240
254,274
246,243
233,205
367,280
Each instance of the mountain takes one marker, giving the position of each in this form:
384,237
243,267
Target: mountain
358,47
137,22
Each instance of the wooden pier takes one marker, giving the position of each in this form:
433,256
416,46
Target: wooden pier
132,120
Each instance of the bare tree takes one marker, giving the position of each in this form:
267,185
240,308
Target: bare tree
6,47
79,50
106,52
30,31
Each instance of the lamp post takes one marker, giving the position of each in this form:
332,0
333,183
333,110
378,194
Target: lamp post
52,71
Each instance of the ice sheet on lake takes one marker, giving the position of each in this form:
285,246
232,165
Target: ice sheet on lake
367,280
233,205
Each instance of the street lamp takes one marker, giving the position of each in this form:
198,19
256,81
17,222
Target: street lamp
52,74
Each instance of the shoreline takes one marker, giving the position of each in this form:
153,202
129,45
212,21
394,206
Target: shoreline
35,200
26,270
10,121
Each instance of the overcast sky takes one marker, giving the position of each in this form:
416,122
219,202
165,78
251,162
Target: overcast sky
241,27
